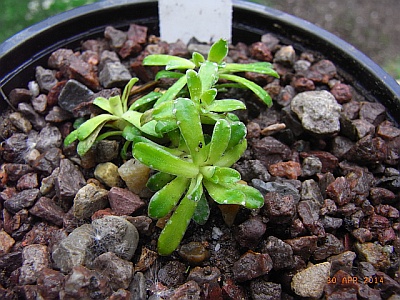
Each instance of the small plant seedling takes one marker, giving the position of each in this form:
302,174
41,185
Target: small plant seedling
210,71
122,121
200,167
167,132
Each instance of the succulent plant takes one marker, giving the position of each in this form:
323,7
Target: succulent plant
167,132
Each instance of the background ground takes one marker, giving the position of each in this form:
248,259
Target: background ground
371,26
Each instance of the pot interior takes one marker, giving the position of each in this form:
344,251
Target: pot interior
20,55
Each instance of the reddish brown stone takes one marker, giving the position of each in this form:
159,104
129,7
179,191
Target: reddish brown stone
54,93
326,68
288,169
123,201
28,181
252,265
387,211
303,246
362,235
342,93
339,191
48,210
303,84
387,130
260,51
279,209
232,291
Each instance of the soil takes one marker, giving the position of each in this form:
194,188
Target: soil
329,227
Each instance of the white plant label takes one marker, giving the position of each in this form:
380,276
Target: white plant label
206,20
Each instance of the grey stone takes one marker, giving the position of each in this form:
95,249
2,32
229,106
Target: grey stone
310,282
37,120
83,283
118,270
311,191
138,287
106,150
284,189
35,258
49,137
73,250
45,78
68,182
73,94
280,252
114,74
21,200
88,200
39,103
265,290
57,115
318,111
106,57
311,165
342,261
117,235
117,37
48,161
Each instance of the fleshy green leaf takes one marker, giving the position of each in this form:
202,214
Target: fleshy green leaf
116,106
208,74
258,67
126,92
254,199
134,117
224,175
195,189
87,143
188,121
161,160
194,85
176,226
165,126
142,139
162,111
219,141
231,156
107,134
166,199
130,132
168,74
70,138
173,91
238,133
170,62
218,51
90,125
202,211
209,96
255,88
103,103
226,105
159,180
223,195
150,97
197,58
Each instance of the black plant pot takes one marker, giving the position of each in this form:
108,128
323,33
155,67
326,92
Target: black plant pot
20,54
